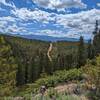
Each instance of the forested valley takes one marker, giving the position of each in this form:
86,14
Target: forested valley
24,64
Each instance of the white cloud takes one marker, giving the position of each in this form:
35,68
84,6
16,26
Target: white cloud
98,4
60,4
14,28
82,22
2,26
49,32
73,24
1,9
10,4
8,19
8,24
60,34
4,22
37,15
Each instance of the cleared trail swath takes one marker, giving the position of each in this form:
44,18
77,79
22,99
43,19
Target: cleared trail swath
49,50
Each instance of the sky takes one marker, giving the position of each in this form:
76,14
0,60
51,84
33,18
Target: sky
56,18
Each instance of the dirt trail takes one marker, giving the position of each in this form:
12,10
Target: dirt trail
66,87
49,50
70,88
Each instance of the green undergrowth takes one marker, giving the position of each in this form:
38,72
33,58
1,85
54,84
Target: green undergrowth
91,72
51,81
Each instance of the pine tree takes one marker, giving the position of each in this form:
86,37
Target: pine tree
81,53
20,75
21,71
58,62
96,40
96,43
69,61
26,69
49,68
90,50
32,70
38,65
8,69
96,28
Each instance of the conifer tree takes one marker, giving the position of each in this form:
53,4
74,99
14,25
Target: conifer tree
20,75
32,71
90,50
49,68
81,53
21,70
96,43
7,69
96,28
96,39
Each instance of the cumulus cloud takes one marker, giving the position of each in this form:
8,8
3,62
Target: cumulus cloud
11,24
76,24
1,9
10,4
83,21
50,32
37,15
60,4
98,4
15,29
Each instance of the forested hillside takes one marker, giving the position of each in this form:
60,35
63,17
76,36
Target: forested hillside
24,62
8,68
32,58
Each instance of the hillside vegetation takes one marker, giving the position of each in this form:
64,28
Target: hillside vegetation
26,65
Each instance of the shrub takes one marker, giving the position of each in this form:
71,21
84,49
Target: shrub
59,77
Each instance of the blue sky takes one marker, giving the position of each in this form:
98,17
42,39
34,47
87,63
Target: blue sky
56,18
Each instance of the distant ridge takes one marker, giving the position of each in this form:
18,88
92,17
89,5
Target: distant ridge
46,38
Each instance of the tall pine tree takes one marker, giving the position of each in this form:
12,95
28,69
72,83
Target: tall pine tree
81,53
90,50
7,69
96,28
96,40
